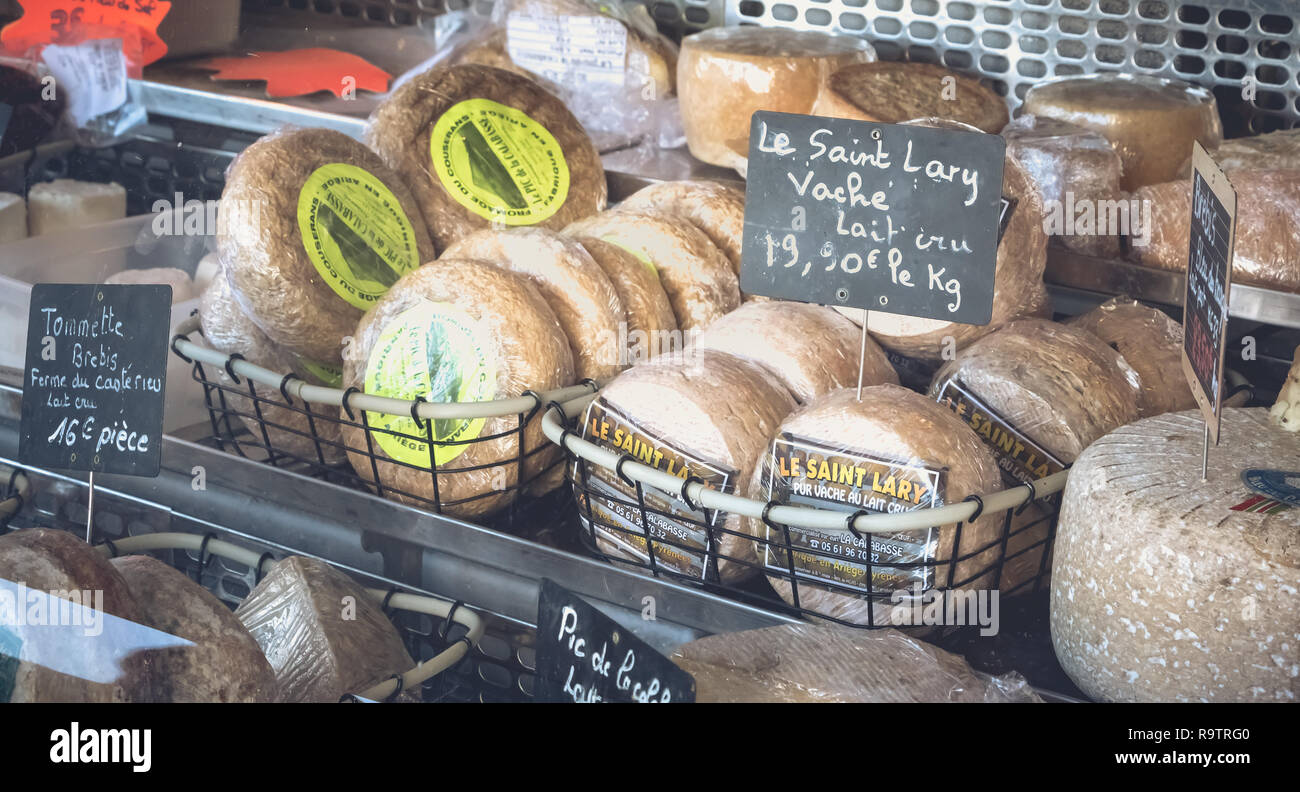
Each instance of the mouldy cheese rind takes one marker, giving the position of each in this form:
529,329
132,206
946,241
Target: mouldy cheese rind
726,74
1150,121
64,204
891,92
715,208
436,128
312,228
1267,250
1152,343
577,289
651,326
109,668
455,330
699,281
224,664
810,349
322,635
1169,588
900,430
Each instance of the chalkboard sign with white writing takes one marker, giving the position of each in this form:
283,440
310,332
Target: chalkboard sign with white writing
895,218
584,656
95,375
1209,281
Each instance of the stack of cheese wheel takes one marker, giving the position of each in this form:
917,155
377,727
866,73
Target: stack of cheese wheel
455,330
650,325
482,145
715,208
891,92
725,75
1150,121
1167,587
892,450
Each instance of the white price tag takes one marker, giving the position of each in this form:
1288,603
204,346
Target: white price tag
94,75
569,49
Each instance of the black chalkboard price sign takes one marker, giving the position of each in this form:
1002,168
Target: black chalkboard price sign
584,656
894,218
94,378
1209,282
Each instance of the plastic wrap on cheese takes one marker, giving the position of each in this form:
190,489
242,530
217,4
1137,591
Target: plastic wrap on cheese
1274,151
803,663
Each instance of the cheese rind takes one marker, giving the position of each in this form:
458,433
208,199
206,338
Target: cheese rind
63,204
891,92
13,217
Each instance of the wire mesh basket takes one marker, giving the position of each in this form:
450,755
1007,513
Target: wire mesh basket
848,566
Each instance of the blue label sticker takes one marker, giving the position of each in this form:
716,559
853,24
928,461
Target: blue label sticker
1280,485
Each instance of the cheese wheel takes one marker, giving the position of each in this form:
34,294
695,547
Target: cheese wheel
699,281
577,289
1266,252
1152,343
455,330
224,664
312,229
65,204
1071,165
273,424
726,74
1017,281
891,434
460,133
180,281
715,208
1150,121
1285,411
809,349
13,217
651,327
82,656
322,634
1169,588
205,271
1274,151
891,92
704,414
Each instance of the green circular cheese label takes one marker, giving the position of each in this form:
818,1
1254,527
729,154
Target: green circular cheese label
355,233
324,372
434,350
499,163
635,251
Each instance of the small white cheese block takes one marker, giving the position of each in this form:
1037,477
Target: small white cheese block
13,217
179,280
66,203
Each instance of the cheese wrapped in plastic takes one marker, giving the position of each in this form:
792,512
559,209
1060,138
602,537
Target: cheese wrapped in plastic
1274,151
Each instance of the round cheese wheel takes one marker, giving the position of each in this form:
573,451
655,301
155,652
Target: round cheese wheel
726,74
577,289
224,665
1071,165
52,661
483,145
809,349
273,424
715,208
1150,121
455,330
714,409
1274,151
312,229
891,432
891,92
180,281
1152,343
699,281
1169,588
651,326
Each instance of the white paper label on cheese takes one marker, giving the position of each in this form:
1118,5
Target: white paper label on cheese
584,50
92,73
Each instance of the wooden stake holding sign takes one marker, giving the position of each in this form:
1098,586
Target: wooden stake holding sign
885,217
1209,282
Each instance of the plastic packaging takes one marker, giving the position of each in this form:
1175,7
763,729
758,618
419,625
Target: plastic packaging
180,281
891,452
725,74
891,92
1150,121
322,635
651,326
1267,249
577,289
541,168
804,663
809,349
1070,164
701,414
312,229
1274,151
1152,343
455,331
715,208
